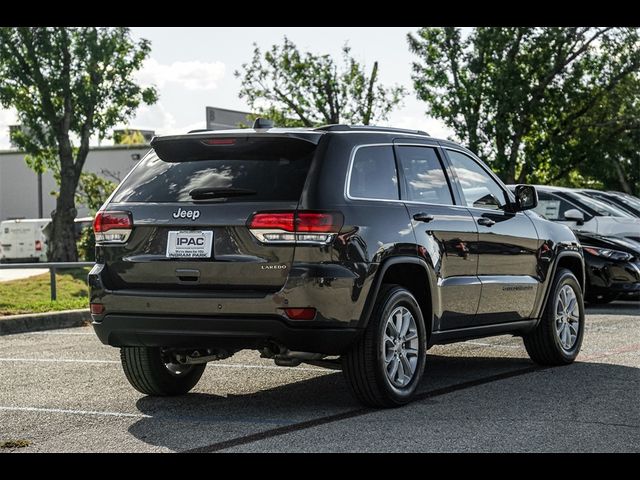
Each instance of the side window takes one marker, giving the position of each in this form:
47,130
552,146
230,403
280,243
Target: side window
479,189
424,175
552,207
373,174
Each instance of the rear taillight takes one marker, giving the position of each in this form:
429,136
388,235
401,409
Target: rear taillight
112,227
295,227
38,246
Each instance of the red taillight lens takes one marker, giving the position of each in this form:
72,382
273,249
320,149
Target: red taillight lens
38,246
317,222
279,221
313,228
220,141
96,308
112,226
300,313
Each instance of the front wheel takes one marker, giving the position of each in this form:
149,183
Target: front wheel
151,373
384,368
558,337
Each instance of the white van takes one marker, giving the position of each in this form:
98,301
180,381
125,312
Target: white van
23,240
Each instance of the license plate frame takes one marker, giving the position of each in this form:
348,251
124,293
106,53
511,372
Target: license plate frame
186,244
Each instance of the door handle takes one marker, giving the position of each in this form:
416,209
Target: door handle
423,217
487,222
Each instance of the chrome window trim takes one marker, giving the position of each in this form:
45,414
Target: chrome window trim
352,157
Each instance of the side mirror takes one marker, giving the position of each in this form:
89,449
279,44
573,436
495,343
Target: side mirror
574,215
526,197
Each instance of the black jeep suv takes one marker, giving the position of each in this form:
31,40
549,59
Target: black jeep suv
347,247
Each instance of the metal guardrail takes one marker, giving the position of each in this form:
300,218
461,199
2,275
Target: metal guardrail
53,268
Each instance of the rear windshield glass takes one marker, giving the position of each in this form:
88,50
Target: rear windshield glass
270,179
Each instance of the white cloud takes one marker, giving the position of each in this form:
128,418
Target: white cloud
7,117
192,75
156,117
434,127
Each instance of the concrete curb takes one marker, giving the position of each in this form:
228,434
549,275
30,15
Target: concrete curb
43,321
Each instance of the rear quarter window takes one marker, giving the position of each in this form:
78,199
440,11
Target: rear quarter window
373,174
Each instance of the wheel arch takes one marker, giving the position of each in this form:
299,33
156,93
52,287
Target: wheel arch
572,261
412,273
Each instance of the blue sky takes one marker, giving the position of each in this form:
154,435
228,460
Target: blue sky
192,67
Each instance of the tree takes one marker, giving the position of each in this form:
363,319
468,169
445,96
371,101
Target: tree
303,89
541,104
67,85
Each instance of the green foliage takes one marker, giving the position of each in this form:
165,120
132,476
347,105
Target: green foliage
87,245
93,191
68,83
129,137
549,105
297,89
32,295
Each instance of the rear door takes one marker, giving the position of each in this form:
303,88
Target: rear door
195,196
444,233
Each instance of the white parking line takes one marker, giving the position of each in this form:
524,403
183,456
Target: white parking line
492,345
218,365
74,412
48,332
55,360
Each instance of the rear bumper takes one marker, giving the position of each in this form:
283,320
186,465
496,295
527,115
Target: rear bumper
121,330
234,319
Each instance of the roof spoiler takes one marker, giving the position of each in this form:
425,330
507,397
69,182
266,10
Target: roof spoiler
245,143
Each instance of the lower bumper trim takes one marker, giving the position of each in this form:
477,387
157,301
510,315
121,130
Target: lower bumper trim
120,330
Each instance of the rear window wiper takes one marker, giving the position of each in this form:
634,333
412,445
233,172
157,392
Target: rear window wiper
217,192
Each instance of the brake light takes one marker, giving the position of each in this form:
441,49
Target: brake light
220,141
295,227
112,227
38,246
280,221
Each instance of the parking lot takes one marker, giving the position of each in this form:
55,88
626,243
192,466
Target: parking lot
62,391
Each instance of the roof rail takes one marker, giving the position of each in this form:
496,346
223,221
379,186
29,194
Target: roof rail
364,128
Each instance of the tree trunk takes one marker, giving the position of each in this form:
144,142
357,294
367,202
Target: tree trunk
623,181
62,242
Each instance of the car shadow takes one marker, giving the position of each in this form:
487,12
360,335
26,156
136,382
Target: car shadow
197,419
614,308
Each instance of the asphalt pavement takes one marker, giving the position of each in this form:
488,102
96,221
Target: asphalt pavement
63,391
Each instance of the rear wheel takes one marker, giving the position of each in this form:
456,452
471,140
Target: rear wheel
152,373
384,368
558,337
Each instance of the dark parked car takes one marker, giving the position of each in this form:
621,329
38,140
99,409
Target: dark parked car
613,268
348,247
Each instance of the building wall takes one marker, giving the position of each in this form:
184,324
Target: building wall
19,184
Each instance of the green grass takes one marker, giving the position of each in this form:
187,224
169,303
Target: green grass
32,295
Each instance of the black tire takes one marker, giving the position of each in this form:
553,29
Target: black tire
147,372
543,343
364,365
601,299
